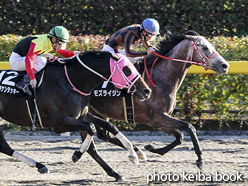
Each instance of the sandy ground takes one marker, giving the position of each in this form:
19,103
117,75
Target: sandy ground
224,155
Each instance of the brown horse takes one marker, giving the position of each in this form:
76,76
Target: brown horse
63,100
168,74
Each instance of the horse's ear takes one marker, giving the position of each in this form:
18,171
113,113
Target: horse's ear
113,56
190,37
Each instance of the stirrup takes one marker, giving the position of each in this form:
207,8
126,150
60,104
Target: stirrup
24,88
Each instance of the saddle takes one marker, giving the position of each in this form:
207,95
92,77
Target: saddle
8,79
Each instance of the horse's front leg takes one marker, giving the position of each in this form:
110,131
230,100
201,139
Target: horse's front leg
174,125
6,149
107,136
93,153
111,128
70,124
182,125
192,132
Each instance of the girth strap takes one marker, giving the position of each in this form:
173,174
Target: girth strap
128,108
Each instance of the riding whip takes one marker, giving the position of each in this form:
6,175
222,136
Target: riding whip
34,116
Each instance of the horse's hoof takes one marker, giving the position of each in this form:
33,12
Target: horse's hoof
141,155
133,159
149,147
119,178
76,156
44,170
199,164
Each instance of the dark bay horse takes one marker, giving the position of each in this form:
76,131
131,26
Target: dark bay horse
63,99
167,74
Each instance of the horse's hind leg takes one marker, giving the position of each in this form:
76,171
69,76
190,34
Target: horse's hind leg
6,149
93,153
106,136
174,132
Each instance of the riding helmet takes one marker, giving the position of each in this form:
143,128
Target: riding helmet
151,26
60,33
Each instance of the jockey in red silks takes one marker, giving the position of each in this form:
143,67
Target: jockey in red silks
131,35
27,54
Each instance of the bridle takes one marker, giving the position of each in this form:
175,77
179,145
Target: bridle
129,83
204,58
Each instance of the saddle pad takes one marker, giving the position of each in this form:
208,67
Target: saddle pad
8,79
108,90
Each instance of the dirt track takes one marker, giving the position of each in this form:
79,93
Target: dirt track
224,154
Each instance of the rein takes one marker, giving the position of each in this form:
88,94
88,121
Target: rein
204,63
66,74
74,88
129,84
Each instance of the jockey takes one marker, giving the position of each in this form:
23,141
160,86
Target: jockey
131,35
27,53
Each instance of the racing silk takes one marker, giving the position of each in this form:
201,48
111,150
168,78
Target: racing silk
33,46
126,37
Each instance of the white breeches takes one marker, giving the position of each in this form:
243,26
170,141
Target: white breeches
17,62
123,52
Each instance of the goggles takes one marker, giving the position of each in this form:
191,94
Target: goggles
60,42
151,36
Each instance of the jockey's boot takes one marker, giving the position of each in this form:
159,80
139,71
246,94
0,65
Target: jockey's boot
23,84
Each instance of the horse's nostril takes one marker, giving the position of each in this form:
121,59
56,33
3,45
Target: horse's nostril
148,91
224,66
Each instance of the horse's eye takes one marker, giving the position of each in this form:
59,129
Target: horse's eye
205,48
127,71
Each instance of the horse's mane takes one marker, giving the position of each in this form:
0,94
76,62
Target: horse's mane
168,42
83,56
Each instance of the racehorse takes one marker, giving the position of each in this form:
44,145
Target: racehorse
64,96
168,66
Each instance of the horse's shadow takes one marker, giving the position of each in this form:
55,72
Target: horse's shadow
74,182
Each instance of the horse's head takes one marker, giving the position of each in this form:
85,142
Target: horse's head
125,75
203,51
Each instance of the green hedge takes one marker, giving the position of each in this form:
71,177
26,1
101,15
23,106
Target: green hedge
211,18
231,48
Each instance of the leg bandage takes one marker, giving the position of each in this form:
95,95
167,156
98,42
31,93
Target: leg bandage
126,143
25,159
85,145
129,146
